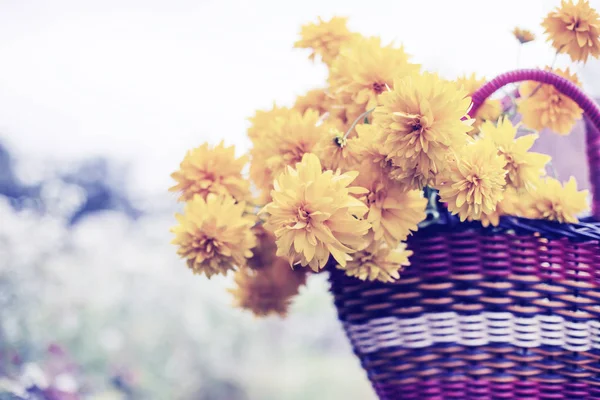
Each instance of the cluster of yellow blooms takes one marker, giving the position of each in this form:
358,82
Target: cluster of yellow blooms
339,178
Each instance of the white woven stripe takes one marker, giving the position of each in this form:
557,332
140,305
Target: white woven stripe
474,330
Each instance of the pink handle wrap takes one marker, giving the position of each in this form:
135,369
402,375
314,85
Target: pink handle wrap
568,88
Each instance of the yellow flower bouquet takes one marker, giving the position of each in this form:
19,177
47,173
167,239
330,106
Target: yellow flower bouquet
458,264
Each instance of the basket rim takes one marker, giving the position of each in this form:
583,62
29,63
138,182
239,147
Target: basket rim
587,229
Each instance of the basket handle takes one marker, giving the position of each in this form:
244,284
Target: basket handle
568,88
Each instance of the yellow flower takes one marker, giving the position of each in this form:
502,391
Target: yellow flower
207,169
264,292
291,138
264,259
523,35
490,110
322,101
469,83
378,262
316,99
554,202
542,106
214,235
421,121
264,253
260,123
324,38
473,185
523,167
313,214
393,211
268,284
370,148
256,292
574,29
509,205
363,70
335,151
284,141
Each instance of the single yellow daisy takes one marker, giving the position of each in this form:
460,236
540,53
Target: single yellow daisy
324,38
523,167
284,142
316,99
363,70
214,235
393,211
264,251
574,29
268,283
523,35
421,120
379,262
269,290
555,202
313,214
208,169
474,183
543,106
262,119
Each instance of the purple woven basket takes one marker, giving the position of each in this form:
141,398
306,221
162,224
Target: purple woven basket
487,313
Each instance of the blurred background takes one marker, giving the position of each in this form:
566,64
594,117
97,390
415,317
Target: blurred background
99,101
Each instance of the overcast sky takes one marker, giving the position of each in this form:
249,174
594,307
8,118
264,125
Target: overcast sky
144,80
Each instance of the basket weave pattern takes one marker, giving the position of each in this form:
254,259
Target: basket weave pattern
481,312
487,313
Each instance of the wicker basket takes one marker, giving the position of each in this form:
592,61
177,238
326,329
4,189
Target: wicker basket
487,313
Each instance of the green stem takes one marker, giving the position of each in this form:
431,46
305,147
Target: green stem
360,117
322,118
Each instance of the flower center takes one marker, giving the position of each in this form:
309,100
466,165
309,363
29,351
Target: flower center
510,160
377,195
365,257
294,155
574,24
340,141
556,100
474,179
303,216
474,185
206,245
386,164
379,87
416,123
